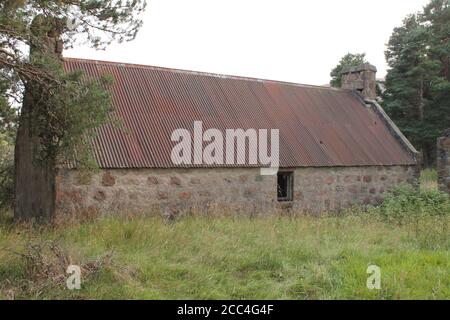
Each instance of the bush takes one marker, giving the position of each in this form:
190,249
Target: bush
6,172
425,214
407,203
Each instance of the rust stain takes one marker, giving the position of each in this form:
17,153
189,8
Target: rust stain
319,127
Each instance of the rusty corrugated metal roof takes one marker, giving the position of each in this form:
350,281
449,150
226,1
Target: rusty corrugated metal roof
318,126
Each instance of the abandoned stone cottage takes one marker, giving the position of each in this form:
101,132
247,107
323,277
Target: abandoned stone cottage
337,147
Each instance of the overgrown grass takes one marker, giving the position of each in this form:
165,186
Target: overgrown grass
242,258
271,258
428,180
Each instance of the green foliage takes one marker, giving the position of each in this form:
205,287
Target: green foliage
88,107
349,60
8,115
58,111
425,213
6,171
66,108
8,119
418,84
92,22
66,116
406,203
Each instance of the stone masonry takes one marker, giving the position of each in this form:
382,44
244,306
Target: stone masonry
361,79
443,163
171,192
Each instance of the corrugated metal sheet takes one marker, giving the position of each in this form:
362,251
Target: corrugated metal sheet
318,126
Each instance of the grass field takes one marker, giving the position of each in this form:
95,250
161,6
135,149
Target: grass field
234,258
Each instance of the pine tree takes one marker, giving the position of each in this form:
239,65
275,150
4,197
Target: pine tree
417,84
436,19
57,109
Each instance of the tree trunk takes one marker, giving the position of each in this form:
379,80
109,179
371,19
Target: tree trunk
427,156
446,62
420,116
421,104
35,180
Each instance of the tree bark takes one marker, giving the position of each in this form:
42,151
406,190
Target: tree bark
420,115
34,180
421,104
428,158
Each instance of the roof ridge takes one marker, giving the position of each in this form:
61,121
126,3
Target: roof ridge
210,74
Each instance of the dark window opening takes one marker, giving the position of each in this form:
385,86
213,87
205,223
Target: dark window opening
285,186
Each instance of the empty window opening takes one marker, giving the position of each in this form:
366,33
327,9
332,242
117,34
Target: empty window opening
285,185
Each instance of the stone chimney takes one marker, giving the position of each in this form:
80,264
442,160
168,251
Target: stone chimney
48,33
361,79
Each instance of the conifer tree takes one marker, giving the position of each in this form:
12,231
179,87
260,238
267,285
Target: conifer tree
55,110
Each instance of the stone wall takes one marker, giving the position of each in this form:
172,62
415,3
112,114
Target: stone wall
443,163
177,191
362,79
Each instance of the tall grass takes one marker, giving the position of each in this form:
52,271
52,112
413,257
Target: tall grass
243,258
428,179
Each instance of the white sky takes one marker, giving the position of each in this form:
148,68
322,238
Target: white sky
289,40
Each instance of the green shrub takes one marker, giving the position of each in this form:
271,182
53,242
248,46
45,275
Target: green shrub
6,172
424,213
407,203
